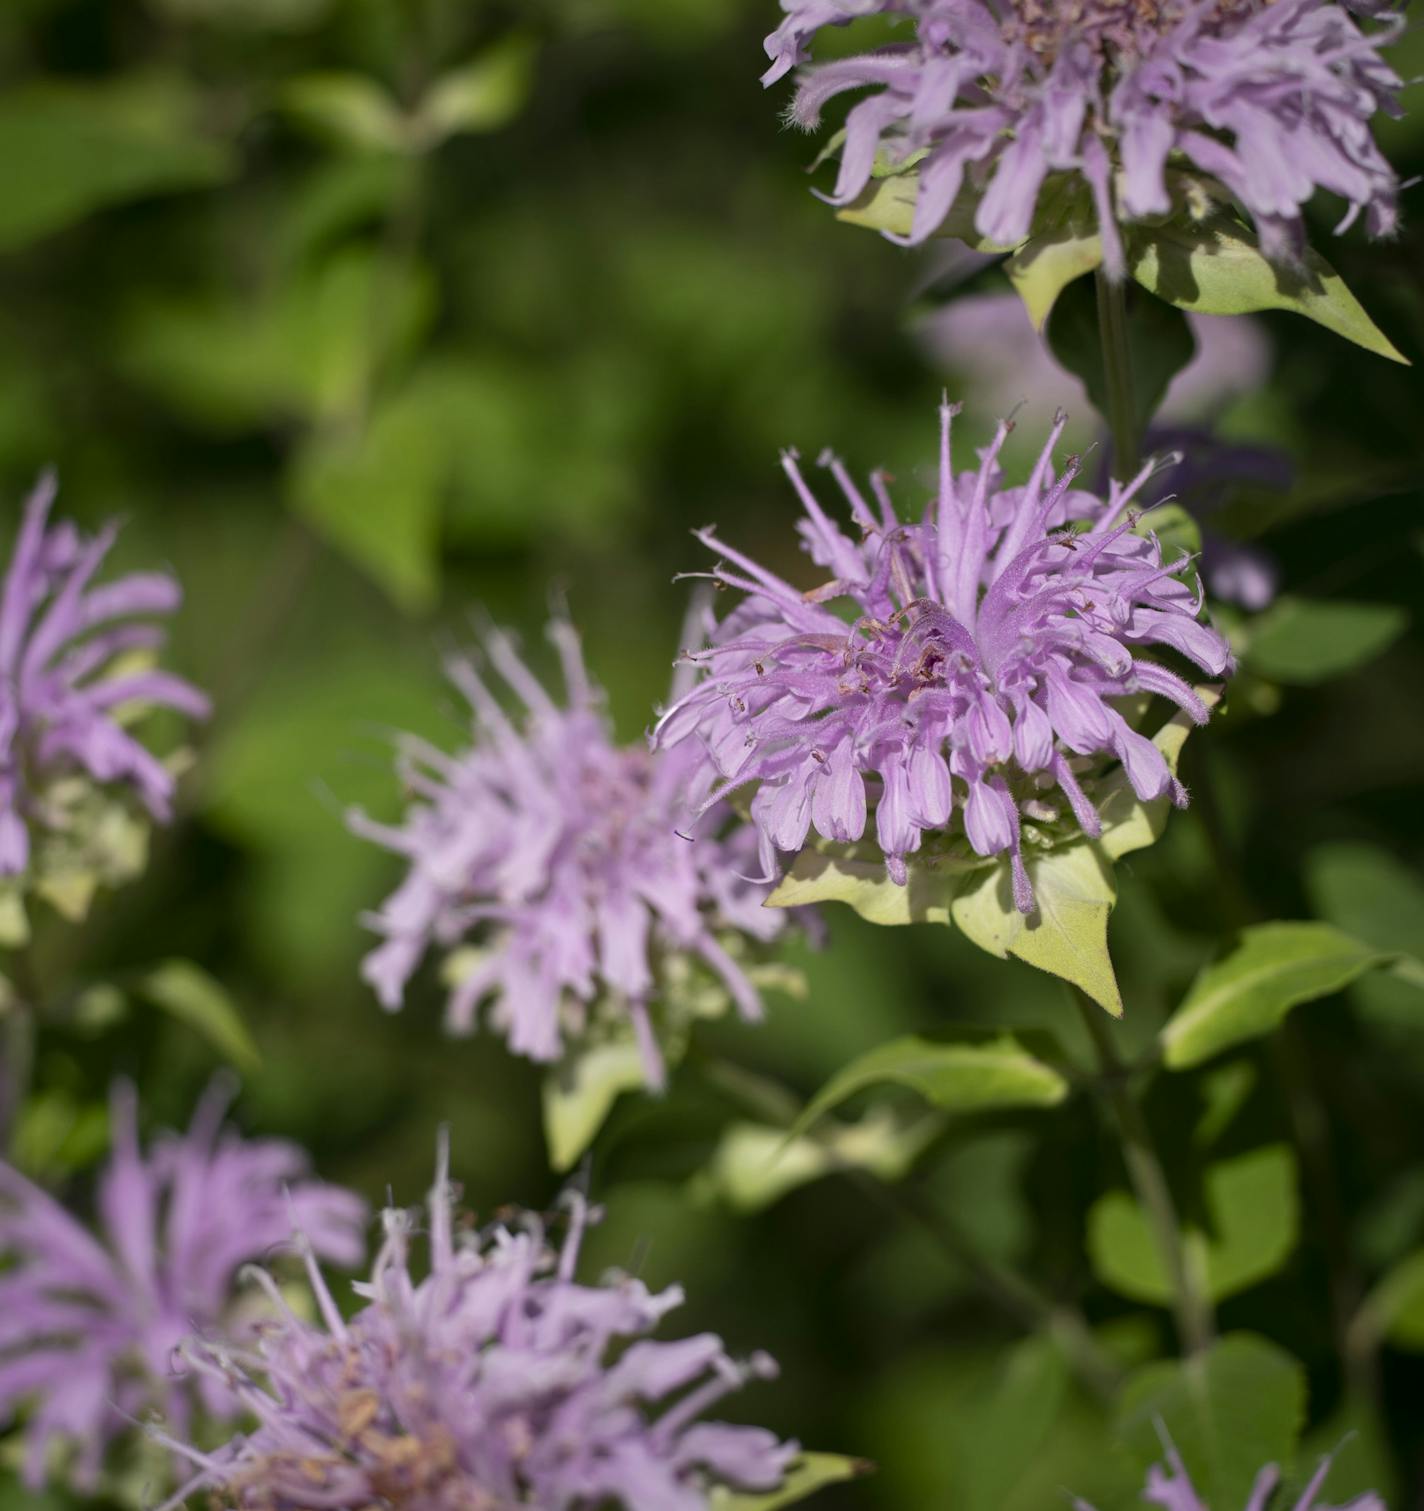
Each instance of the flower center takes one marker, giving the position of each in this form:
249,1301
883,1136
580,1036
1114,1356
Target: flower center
1122,28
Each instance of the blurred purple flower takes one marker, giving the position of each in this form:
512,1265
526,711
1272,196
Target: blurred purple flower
571,860
976,665
1170,1487
59,687
88,1324
496,1381
1274,100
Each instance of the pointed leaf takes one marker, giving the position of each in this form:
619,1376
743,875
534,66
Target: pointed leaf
187,992
580,1092
962,1077
1066,935
1275,967
1214,265
819,876
1304,641
1227,1412
1254,1212
810,1473
481,95
888,205
348,109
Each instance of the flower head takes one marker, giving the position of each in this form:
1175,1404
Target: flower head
496,1381
1271,98
1170,1488
89,1322
63,683
977,666
567,859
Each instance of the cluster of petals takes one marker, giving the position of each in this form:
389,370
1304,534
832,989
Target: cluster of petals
89,1322
1273,99
977,664
566,859
62,684
495,1381
1169,1487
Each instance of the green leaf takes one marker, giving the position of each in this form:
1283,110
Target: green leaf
481,95
1305,641
1394,1309
347,109
57,1135
1064,245
579,1093
70,150
188,993
1254,1212
1274,968
834,875
1227,1412
811,1472
888,205
1160,344
1213,264
1225,1091
755,1165
1370,895
957,1077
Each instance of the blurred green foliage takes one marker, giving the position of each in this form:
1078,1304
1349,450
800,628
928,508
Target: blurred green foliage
373,318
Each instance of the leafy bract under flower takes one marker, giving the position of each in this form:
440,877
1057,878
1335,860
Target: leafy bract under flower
976,673
64,687
496,1381
570,863
89,1323
1273,99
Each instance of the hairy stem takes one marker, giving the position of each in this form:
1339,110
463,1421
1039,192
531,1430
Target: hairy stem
1191,1307
1117,375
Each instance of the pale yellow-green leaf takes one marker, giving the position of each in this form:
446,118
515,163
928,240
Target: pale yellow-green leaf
579,1093
348,109
481,95
1275,967
888,204
14,922
188,993
811,1472
1066,935
1045,265
1214,265
817,877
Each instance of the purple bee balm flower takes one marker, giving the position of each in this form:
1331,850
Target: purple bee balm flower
1271,98
1170,1488
495,1381
569,860
89,1323
61,692
977,665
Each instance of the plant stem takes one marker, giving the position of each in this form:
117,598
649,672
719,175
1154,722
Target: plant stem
1117,375
1191,1307
1012,1292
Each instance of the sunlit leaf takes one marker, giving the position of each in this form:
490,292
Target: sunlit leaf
579,1093
72,149
1213,264
959,1077
888,205
811,1472
481,95
188,993
1275,967
1227,1412
1303,641
1253,1212
348,109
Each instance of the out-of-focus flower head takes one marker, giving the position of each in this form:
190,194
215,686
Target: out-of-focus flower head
1271,98
89,1321
568,860
497,1380
975,669
1170,1487
65,686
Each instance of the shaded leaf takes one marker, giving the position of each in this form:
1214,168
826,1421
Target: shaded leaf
1274,968
70,150
1228,1411
811,1472
961,1077
1394,1310
1213,264
188,993
1304,641
1254,1213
